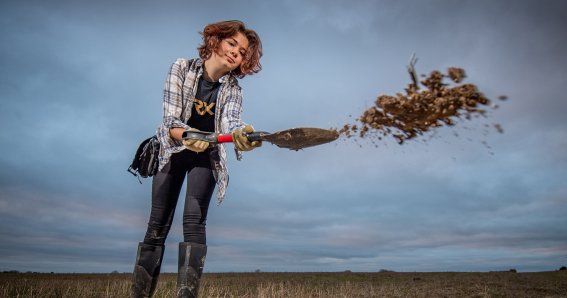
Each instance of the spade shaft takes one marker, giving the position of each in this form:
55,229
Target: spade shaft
293,139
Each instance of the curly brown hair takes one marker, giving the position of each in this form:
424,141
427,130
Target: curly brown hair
214,33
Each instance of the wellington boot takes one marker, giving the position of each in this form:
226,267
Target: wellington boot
191,263
146,270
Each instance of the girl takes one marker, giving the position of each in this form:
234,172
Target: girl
200,94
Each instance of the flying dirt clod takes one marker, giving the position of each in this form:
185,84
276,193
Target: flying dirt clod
406,116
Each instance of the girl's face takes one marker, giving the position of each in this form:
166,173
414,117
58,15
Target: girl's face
231,51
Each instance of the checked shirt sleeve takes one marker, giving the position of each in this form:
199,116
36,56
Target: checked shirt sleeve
174,114
173,95
231,119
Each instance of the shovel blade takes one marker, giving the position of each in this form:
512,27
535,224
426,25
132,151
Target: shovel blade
299,138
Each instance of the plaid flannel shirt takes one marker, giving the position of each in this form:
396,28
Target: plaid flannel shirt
179,95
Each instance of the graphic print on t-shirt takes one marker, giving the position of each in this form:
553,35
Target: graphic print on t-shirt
203,108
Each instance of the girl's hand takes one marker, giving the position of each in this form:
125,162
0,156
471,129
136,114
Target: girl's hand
240,140
196,145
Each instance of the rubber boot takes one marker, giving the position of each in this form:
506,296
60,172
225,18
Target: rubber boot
191,263
146,270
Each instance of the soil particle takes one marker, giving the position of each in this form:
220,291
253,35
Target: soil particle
407,115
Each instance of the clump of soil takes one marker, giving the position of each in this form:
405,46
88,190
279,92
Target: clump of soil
408,115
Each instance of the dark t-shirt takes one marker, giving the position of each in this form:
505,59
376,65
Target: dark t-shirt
203,111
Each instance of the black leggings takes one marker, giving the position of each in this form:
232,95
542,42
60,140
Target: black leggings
166,187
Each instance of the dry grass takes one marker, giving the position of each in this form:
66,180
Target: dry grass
345,284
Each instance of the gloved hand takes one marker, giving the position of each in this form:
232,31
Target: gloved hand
195,145
240,140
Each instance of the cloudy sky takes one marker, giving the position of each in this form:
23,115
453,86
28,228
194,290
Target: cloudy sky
81,85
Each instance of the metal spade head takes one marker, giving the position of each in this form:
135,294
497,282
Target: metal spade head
299,138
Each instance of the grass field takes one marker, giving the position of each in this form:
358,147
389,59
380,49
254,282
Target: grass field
343,284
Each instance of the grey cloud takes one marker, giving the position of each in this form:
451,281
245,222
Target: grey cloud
79,94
